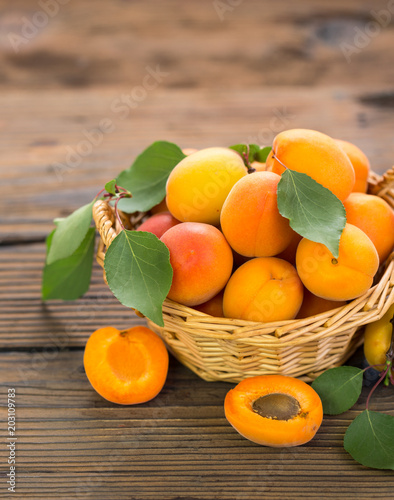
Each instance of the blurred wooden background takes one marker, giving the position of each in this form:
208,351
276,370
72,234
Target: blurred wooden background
84,87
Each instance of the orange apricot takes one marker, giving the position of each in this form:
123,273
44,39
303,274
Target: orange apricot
360,164
258,166
274,410
213,307
343,278
313,305
199,184
201,260
263,289
159,223
375,217
126,367
250,219
315,154
289,253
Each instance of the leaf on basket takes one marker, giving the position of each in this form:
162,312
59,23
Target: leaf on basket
370,440
69,233
314,211
147,177
110,187
69,278
254,152
339,388
139,273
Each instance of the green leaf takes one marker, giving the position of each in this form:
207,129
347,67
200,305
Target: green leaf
256,153
48,240
370,440
69,278
246,149
314,211
339,388
69,233
110,187
262,154
146,179
139,273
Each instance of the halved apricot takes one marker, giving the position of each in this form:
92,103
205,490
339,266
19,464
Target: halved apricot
274,410
126,367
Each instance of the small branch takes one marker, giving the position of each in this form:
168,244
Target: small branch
277,159
384,373
98,194
117,212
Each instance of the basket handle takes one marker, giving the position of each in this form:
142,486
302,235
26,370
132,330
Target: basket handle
104,218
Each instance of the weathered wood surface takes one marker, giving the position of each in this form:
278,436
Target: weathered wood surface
265,67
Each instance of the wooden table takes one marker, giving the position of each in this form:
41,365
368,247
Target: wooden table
70,442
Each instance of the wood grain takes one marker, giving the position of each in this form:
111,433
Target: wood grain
73,444
265,67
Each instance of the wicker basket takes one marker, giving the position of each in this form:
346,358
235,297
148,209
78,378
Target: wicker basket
231,350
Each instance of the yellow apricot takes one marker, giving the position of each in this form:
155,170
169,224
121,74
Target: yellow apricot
199,184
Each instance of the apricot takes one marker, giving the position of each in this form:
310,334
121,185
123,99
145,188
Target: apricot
159,223
263,289
289,253
201,260
258,166
375,217
377,340
315,154
343,278
213,307
199,184
250,219
160,207
274,410
313,305
126,367
360,164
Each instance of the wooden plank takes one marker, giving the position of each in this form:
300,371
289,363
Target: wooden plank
38,184
71,443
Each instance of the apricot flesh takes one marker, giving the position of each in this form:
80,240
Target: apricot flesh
274,410
315,154
250,219
201,260
198,186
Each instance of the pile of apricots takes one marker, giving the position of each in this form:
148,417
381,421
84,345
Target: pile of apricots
233,254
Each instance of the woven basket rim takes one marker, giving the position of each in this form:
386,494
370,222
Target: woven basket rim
365,305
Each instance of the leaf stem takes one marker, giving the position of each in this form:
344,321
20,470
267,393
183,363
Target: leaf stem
117,212
98,194
277,159
383,375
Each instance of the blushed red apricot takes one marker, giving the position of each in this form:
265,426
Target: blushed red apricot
250,219
159,223
126,367
201,260
274,410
